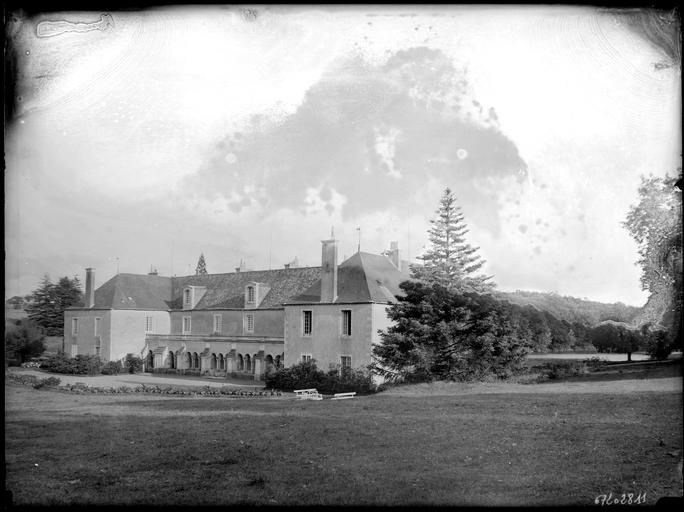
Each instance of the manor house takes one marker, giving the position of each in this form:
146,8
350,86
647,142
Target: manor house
239,324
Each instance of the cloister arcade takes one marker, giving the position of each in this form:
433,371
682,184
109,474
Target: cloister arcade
212,363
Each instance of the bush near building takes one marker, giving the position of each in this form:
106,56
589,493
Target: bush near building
133,364
79,365
306,375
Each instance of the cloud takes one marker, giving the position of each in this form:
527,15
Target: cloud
372,133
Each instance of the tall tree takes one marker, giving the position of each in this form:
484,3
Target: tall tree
23,341
201,269
46,304
450,261
448,335
655,224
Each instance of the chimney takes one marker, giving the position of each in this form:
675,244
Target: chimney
90,288
329,271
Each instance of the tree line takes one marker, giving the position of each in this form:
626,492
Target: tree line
450,323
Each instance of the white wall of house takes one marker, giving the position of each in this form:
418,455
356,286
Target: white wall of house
327,343
128,331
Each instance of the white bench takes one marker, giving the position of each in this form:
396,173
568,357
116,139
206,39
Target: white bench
343,396
308,394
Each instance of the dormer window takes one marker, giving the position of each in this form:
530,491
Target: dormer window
255,294
192,295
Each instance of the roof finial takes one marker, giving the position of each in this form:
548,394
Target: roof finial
358,249
332,233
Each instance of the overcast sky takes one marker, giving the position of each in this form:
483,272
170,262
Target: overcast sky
248,135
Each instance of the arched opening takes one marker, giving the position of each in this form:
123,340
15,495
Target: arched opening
240,363
248,363
170,360
278,362
253,363
222,362
269,362
212,362
149,361
195,360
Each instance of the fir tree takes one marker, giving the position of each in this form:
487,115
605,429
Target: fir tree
450,261
201,269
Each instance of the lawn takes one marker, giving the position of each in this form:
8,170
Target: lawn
392,449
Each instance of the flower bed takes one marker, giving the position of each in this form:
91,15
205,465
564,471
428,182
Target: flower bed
81,388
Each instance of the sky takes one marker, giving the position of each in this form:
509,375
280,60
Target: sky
248,134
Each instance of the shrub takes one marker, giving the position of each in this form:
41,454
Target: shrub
51,382
23,340
562,369
133,364
112,368
79,365
658,345
306,375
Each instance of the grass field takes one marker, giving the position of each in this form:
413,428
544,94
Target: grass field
444,447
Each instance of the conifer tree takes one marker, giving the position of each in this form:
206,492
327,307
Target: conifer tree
201,269
47,303
451,261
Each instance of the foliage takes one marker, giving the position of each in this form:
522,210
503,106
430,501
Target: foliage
305,375
658,343
561,369
201,269
572,309
47,303
23,340
450,261
112,368
51,382
79,365
133,363
16,302
655,223
616,337
439,334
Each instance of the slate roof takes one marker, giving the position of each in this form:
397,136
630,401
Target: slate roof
228,290
134,291
364,277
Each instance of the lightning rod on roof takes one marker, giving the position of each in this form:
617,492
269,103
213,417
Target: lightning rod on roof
358,248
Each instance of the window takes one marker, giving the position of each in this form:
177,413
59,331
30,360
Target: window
98,321
250,294
346,322
74,326
346,362
187,297
249,323
187,326
218,319
306,358
306,323
148,324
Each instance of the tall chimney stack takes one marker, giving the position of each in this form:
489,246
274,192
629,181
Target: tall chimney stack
329,271
90,288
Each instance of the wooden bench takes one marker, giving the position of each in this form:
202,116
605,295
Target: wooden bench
308,394
343,396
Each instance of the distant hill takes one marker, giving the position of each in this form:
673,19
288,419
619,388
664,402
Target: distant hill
572,309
